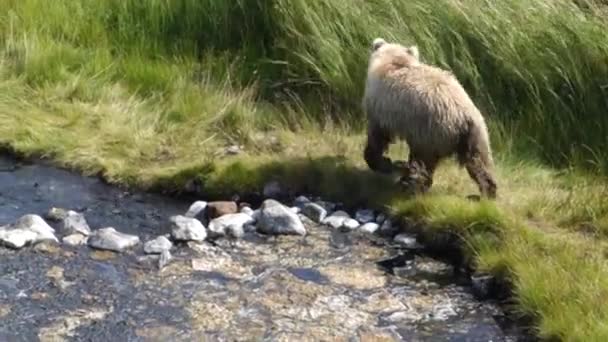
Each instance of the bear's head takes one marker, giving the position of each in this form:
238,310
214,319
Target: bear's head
391,56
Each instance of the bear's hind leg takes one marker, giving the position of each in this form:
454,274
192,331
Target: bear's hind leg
418,176
377,143
482,176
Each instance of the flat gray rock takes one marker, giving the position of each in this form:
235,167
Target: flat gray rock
158,245
28,229
187,229
112,240
277,219
314,212
74,222
17,238
230,224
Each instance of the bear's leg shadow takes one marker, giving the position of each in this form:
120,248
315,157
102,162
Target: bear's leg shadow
377,143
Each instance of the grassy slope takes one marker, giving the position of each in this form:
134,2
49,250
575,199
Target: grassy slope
147,94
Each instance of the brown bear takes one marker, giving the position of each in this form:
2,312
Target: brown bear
428,108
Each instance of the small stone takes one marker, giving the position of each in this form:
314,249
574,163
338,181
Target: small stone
336,219
158,245
349,224
370,227
75,239
276,219
380,218
196,209
314,212
386,226
164,259
408,241
365,216
56,214
221,208
187,229
74,222
247,211
300,201
272,189
233,150
112,240
231,224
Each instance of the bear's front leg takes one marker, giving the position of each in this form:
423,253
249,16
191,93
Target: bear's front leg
376,145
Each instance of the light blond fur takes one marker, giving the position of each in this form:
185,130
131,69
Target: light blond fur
424,105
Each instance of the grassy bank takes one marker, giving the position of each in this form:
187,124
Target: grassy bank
150,93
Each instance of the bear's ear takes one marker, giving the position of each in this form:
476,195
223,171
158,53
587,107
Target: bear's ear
378,42
413,50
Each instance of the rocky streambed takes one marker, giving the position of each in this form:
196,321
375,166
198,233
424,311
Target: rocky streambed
81,260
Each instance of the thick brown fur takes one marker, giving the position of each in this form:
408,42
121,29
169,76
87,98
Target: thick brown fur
428,108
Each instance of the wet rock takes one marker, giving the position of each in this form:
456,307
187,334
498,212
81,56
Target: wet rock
164,259
369,228
28,229
56,214
187,229
408,241
336,219
482,285
75,239
300,201
158,245
272,189
276,219
349,225
231,224
314,212
74,222
365,216
112,240
221,208
196,210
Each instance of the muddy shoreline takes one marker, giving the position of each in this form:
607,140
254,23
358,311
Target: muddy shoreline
327,286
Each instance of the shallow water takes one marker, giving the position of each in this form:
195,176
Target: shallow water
326,286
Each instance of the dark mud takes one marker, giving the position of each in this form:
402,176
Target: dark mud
326,286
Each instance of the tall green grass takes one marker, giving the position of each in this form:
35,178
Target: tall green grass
538,69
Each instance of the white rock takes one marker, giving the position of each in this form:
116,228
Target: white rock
112,240
187,229
164,259
76,239
349,224
407,240
336,219
17,238
74,222
365,216
157,245
314,212
277,219
295,210
248,211
230,224
197,208
370,227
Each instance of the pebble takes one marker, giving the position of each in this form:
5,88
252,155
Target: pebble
76,239
336,219
365,216
74,222
349,224
187,229
314,212
112,240
380,218
158,245
277,219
